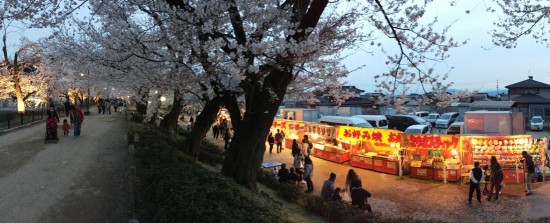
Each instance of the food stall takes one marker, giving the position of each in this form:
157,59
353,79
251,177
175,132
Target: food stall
436,157
373,149
291,130
325,144
507,150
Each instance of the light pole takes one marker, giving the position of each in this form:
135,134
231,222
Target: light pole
87,112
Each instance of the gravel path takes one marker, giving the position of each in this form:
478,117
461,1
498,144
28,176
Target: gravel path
76,180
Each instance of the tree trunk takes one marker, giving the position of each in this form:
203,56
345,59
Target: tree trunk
141,105
202,125
246,151
18,93
141,108
170,120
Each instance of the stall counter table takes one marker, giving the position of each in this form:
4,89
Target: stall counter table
453,175
426,173
385,166
510,175
332,156
364,162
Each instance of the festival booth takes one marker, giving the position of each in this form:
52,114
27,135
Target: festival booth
507,150
437,157
325,144
291,129
323,138
373,149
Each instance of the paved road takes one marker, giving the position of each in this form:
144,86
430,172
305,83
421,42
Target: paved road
76,180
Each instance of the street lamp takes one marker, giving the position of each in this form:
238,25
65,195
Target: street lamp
87,112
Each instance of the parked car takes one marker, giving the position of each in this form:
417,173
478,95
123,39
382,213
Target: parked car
419,129
456,128
377,121
446,119
422,114
432,117
345,121
537,123
402,122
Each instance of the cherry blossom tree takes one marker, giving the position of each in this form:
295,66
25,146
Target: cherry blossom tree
521,18
301,34
249,55
22,73
28,14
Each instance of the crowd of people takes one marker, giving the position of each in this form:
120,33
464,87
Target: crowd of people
222,130
104,105
302,170
493,177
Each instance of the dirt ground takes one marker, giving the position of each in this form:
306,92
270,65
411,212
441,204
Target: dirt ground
76,180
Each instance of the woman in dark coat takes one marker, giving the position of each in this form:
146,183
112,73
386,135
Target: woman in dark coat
496,178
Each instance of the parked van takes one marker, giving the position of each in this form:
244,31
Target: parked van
419,129
402,122
377,121
431,118
422,114
446,119
345,121
456,128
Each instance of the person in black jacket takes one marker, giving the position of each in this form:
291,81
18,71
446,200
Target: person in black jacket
283,173
359,197
529,168
496,178
476,177
271,141
293,177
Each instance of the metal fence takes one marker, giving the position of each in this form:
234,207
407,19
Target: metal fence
10,118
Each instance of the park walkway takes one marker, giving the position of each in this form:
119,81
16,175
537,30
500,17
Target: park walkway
76,180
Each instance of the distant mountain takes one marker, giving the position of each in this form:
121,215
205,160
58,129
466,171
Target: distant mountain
489,92
494,92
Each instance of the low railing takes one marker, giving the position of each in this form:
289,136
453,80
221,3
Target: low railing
10,118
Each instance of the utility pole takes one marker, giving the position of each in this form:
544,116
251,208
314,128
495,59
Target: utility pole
497,89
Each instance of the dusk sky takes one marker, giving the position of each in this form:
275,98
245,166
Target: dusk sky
477,65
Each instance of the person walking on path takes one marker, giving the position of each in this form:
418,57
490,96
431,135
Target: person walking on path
279,140
308,173
66,127
306,145
114,103
328,187
227,138
216,130
296,154
271,141
529,166
77,117
476,177
496,178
